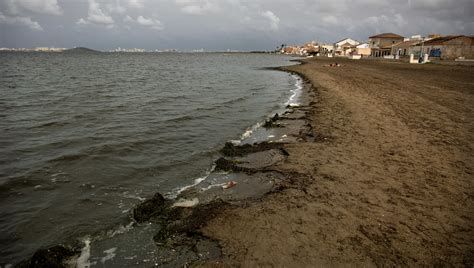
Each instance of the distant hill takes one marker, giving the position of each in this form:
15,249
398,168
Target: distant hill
81,50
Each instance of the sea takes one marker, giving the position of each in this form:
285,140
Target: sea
85,137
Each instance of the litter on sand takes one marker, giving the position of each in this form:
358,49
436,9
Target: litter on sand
333,65
229,184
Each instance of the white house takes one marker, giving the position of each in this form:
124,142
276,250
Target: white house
341,46
362,49
326,49
349,41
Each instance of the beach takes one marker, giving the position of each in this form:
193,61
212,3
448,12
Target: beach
88,136
365,163
386,180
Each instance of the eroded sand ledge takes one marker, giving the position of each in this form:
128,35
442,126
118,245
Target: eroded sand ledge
389,181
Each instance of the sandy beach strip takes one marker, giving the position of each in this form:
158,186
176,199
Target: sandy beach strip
388,180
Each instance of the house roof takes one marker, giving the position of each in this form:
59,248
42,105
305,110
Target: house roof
386,35
442,40
407,44
348,38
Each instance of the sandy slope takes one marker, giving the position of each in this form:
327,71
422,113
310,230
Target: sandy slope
390,181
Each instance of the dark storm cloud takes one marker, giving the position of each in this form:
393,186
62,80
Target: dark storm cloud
221,24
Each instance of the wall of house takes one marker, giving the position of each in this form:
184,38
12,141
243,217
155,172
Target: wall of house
452,49
415,50
383,42
459,47
363,51
374,52
400,50
433,51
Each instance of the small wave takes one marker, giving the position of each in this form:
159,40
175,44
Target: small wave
17,75
116,149
220,105
257,88
110,254
83,260
196,182
120,230
186,118
176,192
69,158
239,99
250,130
177,97
52,124
209,108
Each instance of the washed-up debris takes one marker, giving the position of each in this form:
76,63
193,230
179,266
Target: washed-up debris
272,122
229,185
185,203
231,149
56,256
149,208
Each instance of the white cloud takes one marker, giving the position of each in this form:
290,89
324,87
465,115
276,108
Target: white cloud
18,7
128,19
386,23
197,7
330,20
96,15
19,20
136,3
147,22
115,7
273,19
429,4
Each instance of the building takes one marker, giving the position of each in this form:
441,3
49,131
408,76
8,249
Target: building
449,47
406,48
362,49
381,44
344,46
326,49
292,50
311,48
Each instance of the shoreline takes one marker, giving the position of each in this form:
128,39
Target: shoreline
247,163
370,185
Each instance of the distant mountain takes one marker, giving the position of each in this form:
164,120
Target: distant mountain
81,50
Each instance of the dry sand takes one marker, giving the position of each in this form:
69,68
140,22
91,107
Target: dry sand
389,180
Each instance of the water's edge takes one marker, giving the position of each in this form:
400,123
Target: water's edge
183,211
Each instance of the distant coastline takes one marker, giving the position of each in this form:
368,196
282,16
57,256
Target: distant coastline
126,50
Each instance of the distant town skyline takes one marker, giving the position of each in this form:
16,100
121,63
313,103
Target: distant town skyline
221,24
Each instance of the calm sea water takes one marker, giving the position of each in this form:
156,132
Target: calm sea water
85,137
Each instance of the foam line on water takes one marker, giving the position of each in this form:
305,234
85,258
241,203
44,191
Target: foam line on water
175,193
296,91
83,260
109,255
250,130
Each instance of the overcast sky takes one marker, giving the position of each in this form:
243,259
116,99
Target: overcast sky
221,24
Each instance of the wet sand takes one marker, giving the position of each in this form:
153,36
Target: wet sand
387,179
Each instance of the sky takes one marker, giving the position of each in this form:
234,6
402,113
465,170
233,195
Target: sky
216,25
